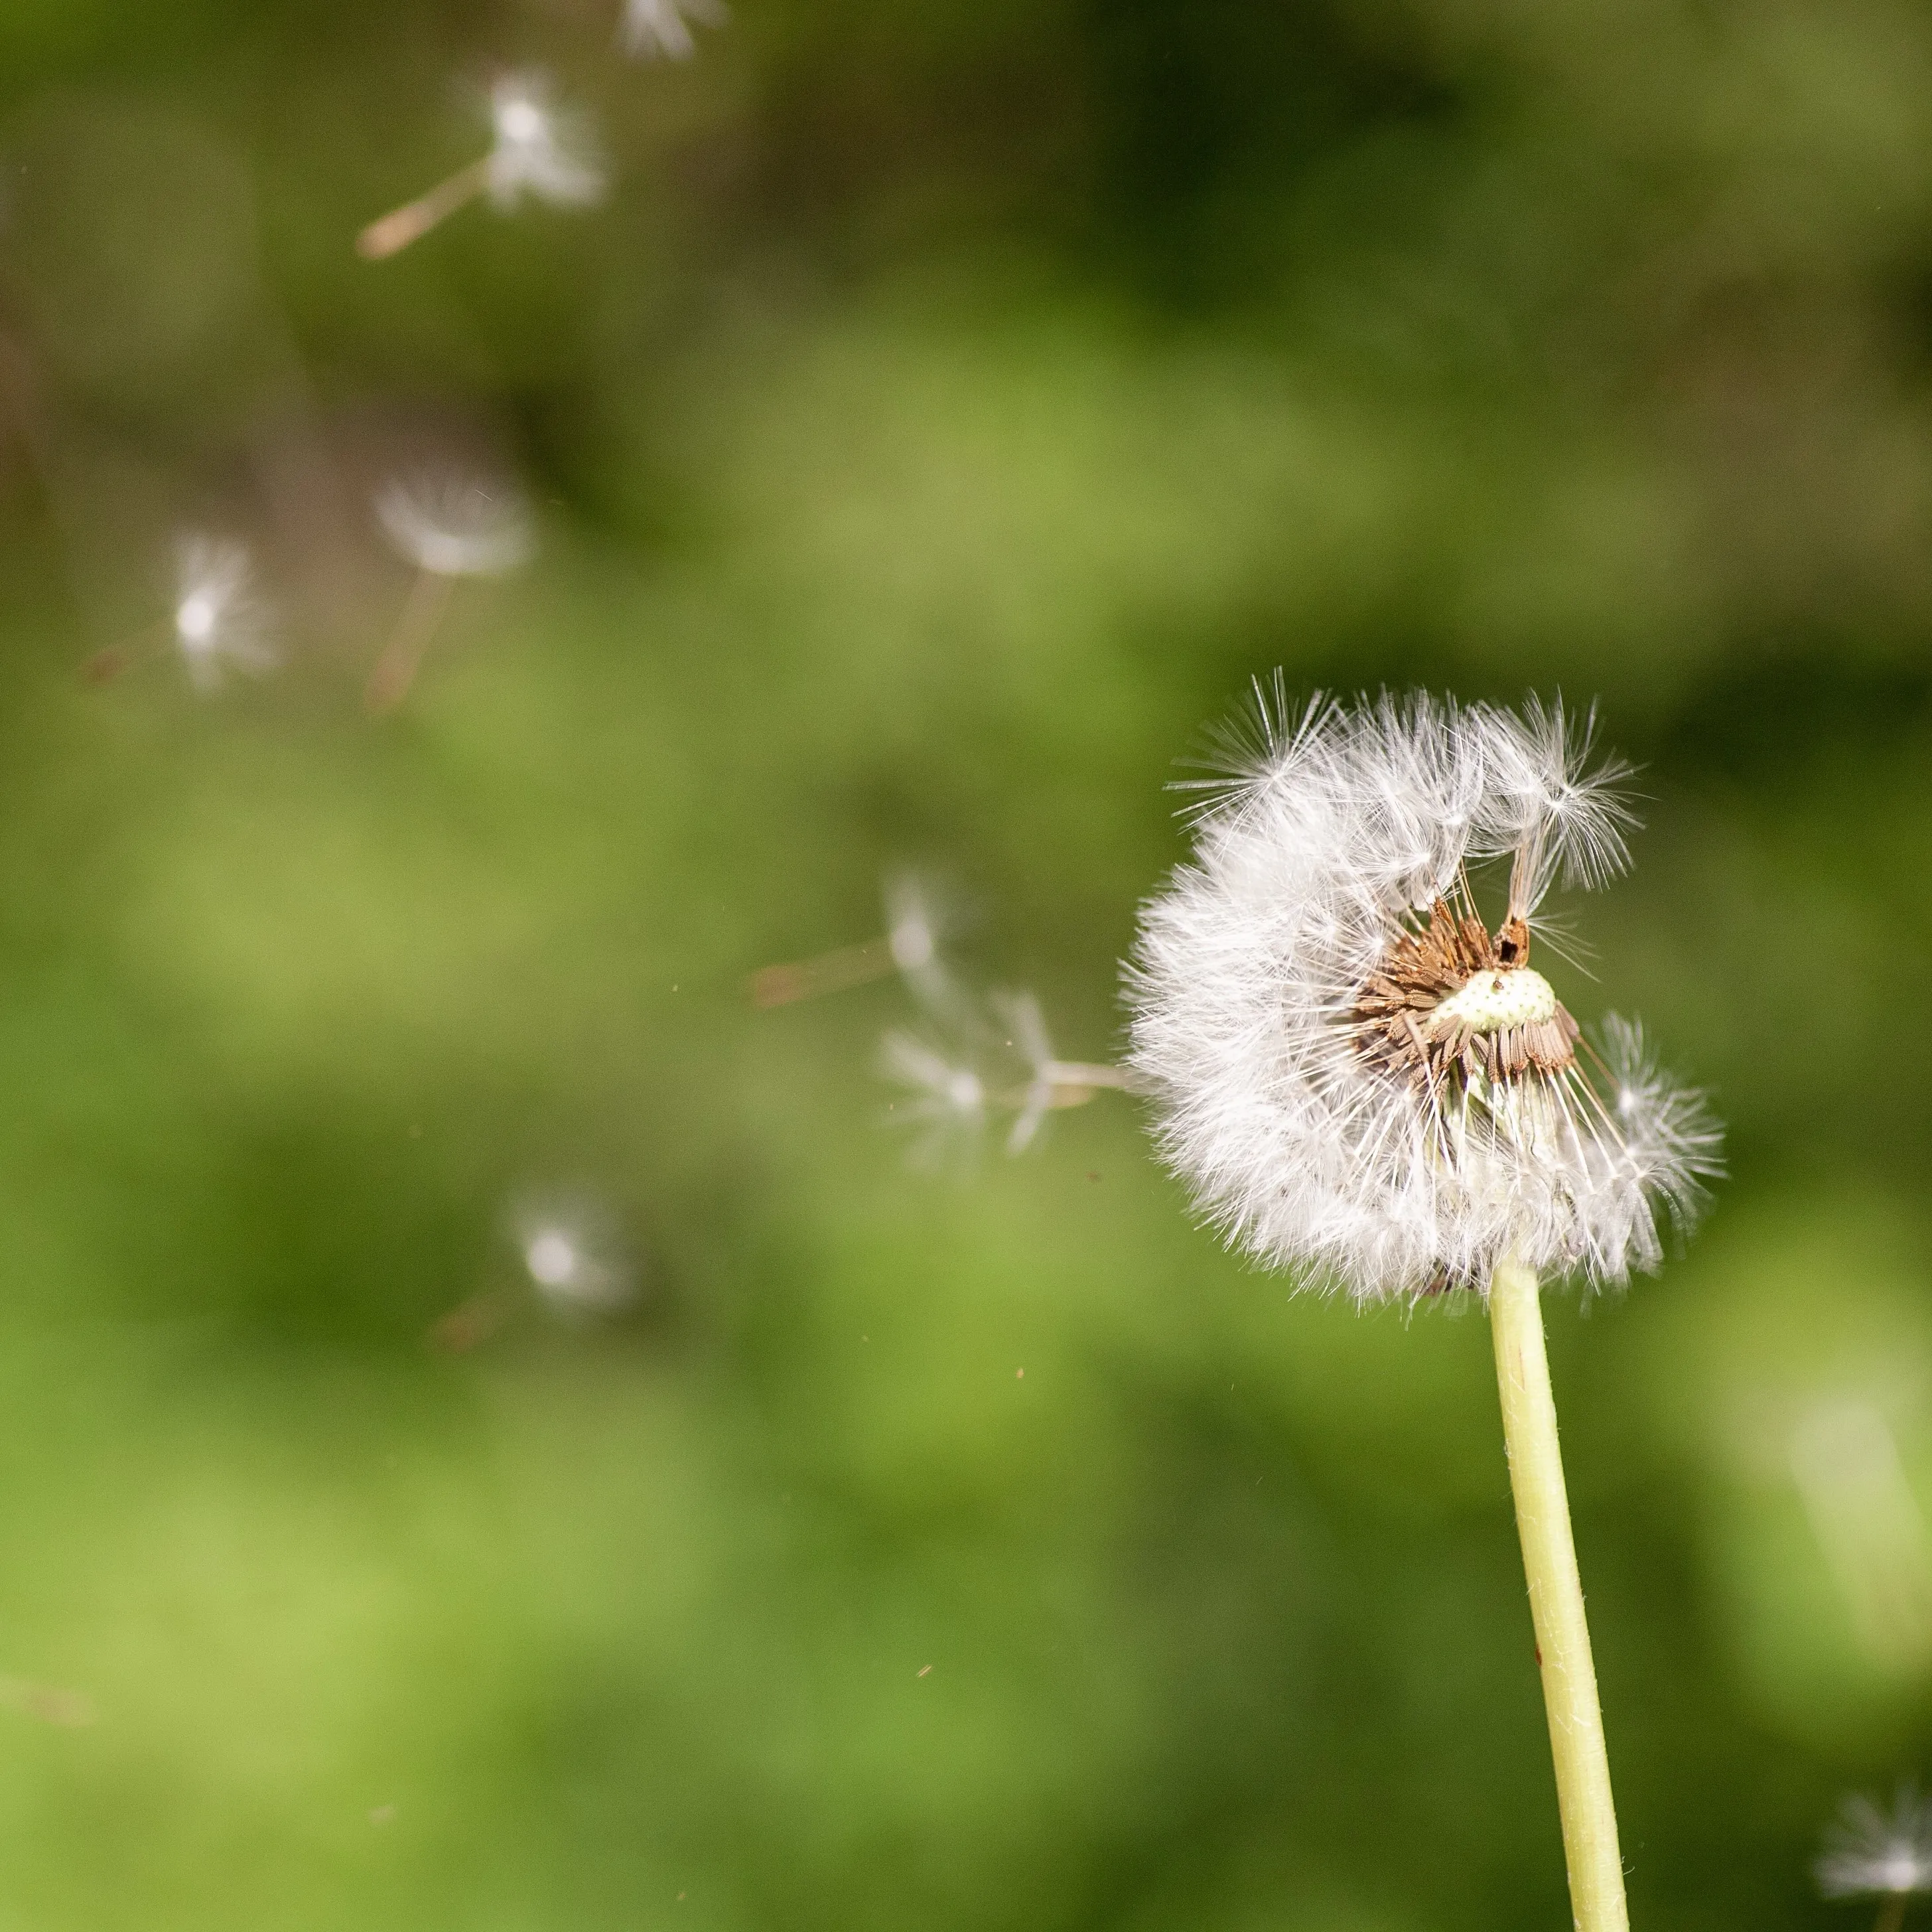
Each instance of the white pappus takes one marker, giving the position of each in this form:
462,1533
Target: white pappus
1358,1079
1051,1083
575,1257
653,27
537,147
1869,1852
449,524
221,622
945,1097
452,523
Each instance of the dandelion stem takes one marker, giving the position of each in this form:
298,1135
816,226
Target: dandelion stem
1891,1914
395,672
1556,1604
401,226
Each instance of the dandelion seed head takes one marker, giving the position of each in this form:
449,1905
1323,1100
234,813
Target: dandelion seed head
539,148
221,622
454,523
1868,1850
1358,1078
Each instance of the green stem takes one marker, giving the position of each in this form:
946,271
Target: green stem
1556,1604
1891,1914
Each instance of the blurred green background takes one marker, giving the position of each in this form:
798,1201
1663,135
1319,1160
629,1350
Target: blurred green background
951,408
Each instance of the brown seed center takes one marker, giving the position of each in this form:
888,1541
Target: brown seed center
1420,1017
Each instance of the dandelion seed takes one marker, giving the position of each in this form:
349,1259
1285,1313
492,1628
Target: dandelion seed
471,1323
954,1096
1363,1082
654,27
537,148
946,1097
449,524
1869,1852
575,1259
220,622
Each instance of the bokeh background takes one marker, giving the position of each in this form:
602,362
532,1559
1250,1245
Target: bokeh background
951,408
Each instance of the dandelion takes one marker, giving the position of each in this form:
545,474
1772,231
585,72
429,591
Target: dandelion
916,923
1362,1081
654,27
220,622
1869,1854
448,523
536,148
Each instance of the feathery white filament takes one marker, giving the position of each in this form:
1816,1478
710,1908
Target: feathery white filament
945,1097
453,524
1867,1851
652,27
1334,829
538,147
220,622
574,1257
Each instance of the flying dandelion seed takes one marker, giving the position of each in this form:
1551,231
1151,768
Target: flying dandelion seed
449,524
537,148
945,1099
575,1260
952,1095
1871,1853
651,27
1363,1082
220,622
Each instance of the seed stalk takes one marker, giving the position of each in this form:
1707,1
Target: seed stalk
1556,1604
